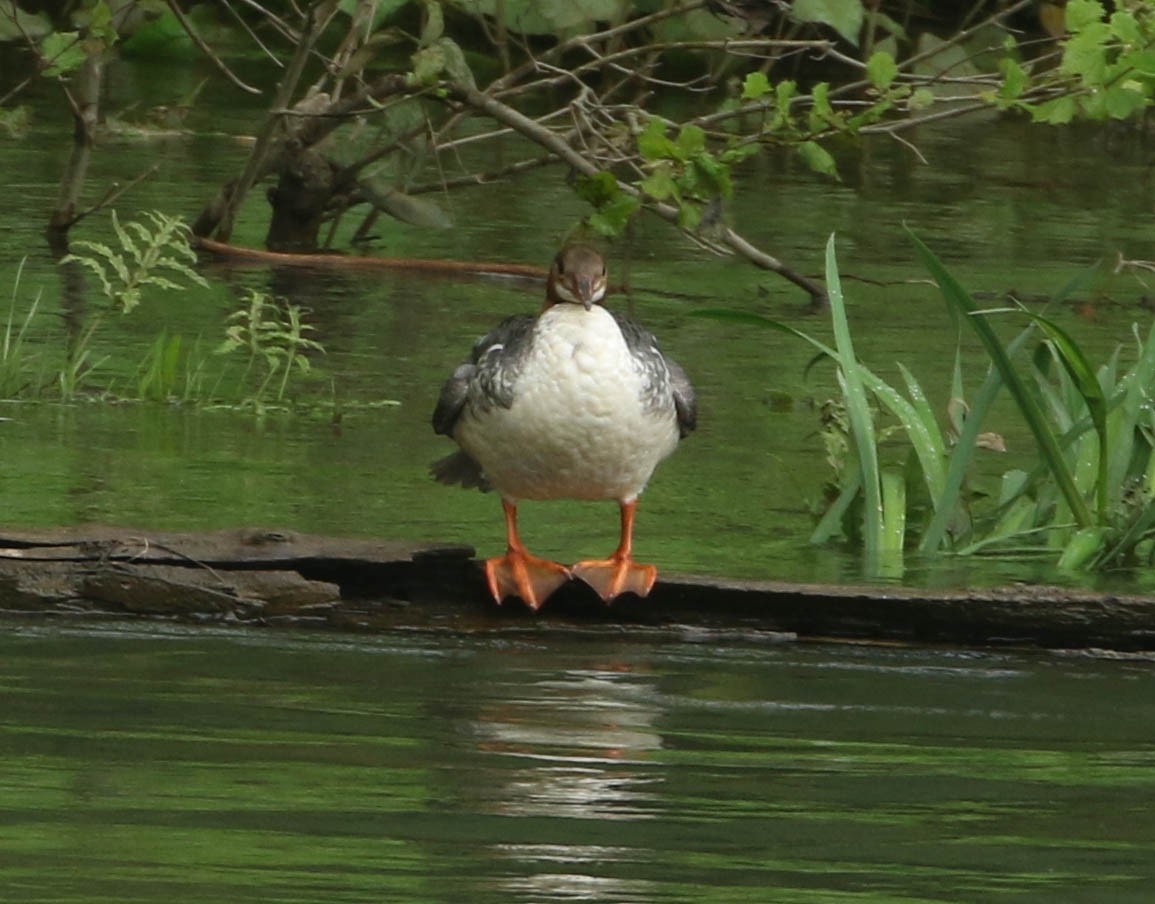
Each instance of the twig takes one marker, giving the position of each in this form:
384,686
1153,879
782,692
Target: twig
252,34
256,163
114,192
557,145
204,48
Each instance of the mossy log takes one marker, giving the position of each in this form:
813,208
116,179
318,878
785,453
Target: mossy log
279,577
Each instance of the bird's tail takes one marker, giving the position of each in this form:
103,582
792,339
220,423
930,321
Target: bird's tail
460,469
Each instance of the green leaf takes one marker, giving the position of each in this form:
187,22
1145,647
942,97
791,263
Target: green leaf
1057,112
653,143
1087,384
784,94
1014,79
959,299
1082,548
858,412
1125,27
1081,13
882,70
456,66
822,113
14,120
610,220
1141,61
738,153
921,99
689,215
18,25
844,16
62,52
598,189
817,158
100,24
434,25
1085,54
691,141
428,64
893,512
1122,102
660,184
755,86
714,175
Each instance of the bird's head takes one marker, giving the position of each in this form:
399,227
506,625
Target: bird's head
578,276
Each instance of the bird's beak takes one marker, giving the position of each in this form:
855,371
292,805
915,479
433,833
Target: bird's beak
585,289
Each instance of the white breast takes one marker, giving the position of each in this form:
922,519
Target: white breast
578,427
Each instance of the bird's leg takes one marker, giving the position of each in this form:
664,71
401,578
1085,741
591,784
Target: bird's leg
517,573
619,573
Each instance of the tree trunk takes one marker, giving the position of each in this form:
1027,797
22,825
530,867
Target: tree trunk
85,112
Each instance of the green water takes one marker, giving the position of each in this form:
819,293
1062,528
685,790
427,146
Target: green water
534,760
150,763
1008,207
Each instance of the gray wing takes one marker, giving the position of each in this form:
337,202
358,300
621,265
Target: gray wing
685,399
665,375
489,373
485,379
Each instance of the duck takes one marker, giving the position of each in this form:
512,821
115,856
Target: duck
575,402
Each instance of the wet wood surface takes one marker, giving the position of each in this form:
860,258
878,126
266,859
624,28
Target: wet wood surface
259,576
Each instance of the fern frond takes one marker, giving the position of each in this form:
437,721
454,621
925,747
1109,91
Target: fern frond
95,266
123,236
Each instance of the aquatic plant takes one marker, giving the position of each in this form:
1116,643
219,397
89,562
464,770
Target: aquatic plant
16,364
272,331
1089,501
152,254
155,254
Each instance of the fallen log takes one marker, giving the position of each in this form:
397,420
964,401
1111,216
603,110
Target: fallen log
256,576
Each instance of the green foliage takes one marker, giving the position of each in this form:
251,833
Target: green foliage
1088,503
155,254
877,538
62,52
1107,68
882,70
272,333
683,170
14,121
612,206
962,304
16,364
844,16
160,370
152,254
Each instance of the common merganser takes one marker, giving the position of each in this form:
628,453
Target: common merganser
574,403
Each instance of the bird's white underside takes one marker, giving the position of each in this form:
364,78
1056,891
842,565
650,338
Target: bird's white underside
578,428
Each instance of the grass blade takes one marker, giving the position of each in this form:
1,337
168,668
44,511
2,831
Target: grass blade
1087,384
964,449
858,413
959,299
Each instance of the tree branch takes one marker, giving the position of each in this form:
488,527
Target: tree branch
204,48
554,143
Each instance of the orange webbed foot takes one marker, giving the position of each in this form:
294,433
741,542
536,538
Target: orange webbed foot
616,575
522,575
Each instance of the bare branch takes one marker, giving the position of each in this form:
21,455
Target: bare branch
204,48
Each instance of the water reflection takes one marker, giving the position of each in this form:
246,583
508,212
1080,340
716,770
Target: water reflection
248,766
574,745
